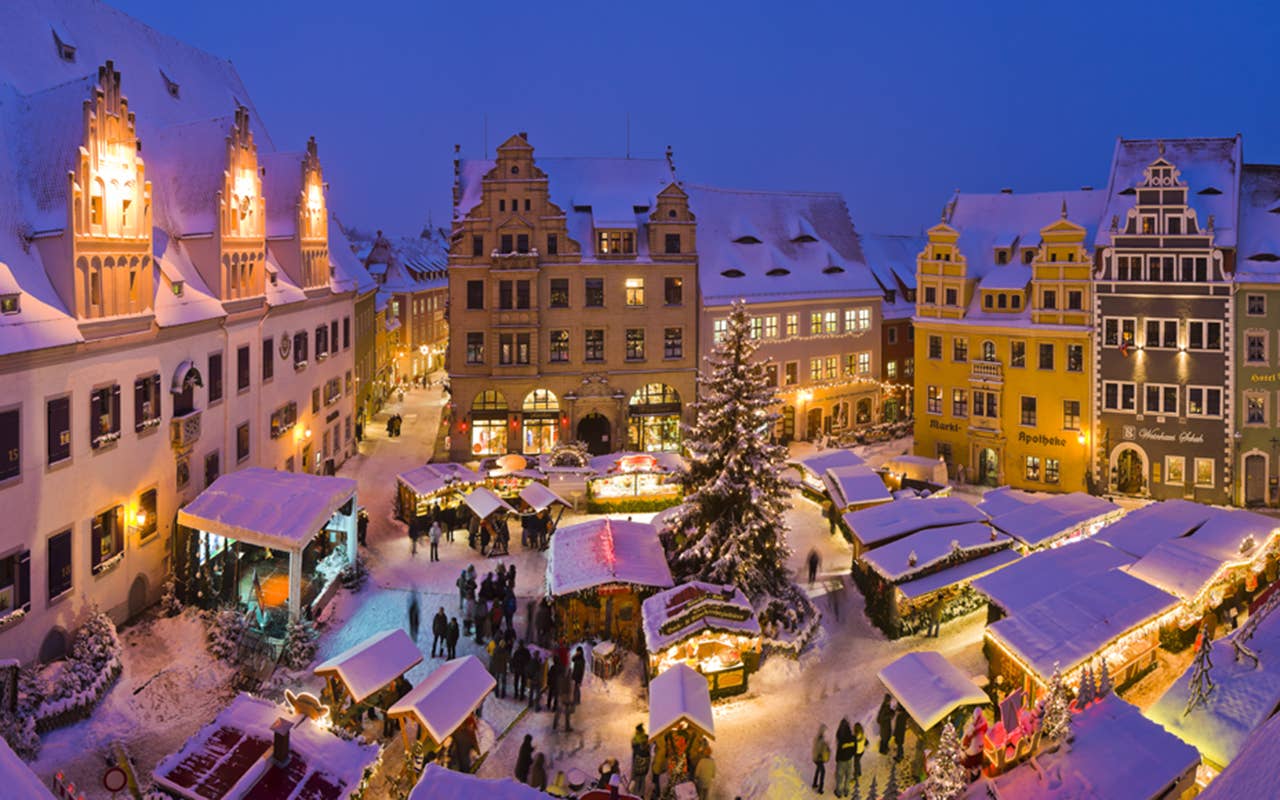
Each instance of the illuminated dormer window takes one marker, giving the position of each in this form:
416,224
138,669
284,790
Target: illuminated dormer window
9,304
178,287
612,243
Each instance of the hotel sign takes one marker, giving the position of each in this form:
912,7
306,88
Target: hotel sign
1161,435
1273,377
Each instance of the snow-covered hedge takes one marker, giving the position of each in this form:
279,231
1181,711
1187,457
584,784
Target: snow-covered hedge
94,664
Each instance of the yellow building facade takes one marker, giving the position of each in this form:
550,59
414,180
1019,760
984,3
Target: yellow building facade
1002,346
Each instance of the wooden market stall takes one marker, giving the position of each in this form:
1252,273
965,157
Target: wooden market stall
813,467
680,721
433,488
881,524
852,488
598,574
507,475
435,709
369,675
634,481
1052,520
245,517
537,522
930,688
709,627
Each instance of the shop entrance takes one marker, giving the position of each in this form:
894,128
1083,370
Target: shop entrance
788,423
1255,480
1130,471
988,467
813,425
593,430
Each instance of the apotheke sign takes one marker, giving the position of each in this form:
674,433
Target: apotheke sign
1161,435
1040,438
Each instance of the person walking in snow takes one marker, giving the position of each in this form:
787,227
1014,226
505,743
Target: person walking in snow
451,638
439,631
640,760
481,622
821,754
538,773
579,672
414,613
461,583
565,702
553,683
884,719
434,535
899,731
859,747
498,668
543,623
413,537
844,757
534,680
813,566
524,759
519,663
704,773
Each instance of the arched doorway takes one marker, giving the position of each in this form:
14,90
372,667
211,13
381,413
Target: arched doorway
988,467
54,646
1255,479
489,424
540,422
653,419
593,431
1130,471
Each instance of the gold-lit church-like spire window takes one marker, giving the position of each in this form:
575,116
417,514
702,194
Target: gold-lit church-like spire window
242,209
313,226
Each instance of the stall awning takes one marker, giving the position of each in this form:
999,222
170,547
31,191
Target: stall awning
540,497
857,485
269,508
680,694
484,503
930,687
442,701
604,551
374,663
431,478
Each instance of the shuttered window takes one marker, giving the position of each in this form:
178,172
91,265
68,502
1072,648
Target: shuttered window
104,416
10,444
58,419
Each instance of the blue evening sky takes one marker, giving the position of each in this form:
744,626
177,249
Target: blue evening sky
893,104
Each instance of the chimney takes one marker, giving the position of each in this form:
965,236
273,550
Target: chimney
1006,190
280,749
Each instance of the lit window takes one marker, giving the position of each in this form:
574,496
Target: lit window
635,291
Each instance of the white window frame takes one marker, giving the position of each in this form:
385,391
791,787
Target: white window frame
1204,401
771,326
1164,412
1251,296
1265,397
1204,324
930,398
1120,322
1164,322
1120,385
1195,475
1181,462
1265,336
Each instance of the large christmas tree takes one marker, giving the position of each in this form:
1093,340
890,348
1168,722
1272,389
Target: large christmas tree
730,528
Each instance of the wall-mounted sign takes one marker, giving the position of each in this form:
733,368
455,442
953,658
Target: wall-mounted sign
944,426
1040,438
1270,377
1161,435
286,344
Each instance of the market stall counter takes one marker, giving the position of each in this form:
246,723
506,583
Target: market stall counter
708,627
634,482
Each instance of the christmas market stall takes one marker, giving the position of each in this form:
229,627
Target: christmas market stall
634,482
1110,615
1137,532
536,502
914,580
888,522
490,514
854,487
709,627
1115,752
1255,771
255,749
680,721
434,488
439,783
507,475
931,689
598,574
916,472
1035,576
444,705
814,466
369,675
1055,520
273,541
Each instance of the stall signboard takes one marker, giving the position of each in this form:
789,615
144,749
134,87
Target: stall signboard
720,610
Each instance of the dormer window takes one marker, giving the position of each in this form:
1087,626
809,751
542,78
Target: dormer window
66,50
1028,256
733,273
178,287
9,304
778,272
615,243
1210,190
748,239
170,86
1002,256
833,270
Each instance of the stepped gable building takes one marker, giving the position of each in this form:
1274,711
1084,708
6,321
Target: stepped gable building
1003,326
573,292
815,305
169,310
1165,258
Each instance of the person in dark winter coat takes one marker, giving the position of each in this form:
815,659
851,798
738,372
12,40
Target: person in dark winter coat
481,622
884,719
461,583
565,703
414,614
553,683
579,672
519,663
511,577
529,608
899,731
524,759
821,755
533,681
844,757
640,760
509,607
543,623
451,638
439,630
538,773
498,668
813,566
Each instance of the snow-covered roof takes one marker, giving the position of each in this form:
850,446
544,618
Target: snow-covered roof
930,687
1000,501
710,606
1186,565
858,485
231,758
892,258
1204,164
772,246
18,778
1242,698
441,783
374,663
267,507
680,694
447,696
1115,754
1139,531
1074,623
1255,771
1258,250
931,546
485,503
348,271
820,461
431,478
1054,516
1020,585
539,497
604,551
612,463
884,523
959,573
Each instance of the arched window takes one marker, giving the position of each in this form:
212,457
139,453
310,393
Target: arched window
489,424
541,422
988,350
541,400
490,400
655,394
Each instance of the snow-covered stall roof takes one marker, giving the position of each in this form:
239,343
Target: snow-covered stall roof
267,507
926,548
1074,623
431,478
374,663
484,502
1019,585
710,607
1054,516
856,485
231,758
930,687
1139,531
18,778
1189,564
442,701
1255,771
961,572
441,783
539,497
680,694
884,523
1005,499
820,461
604,551
1115,754
1242,698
